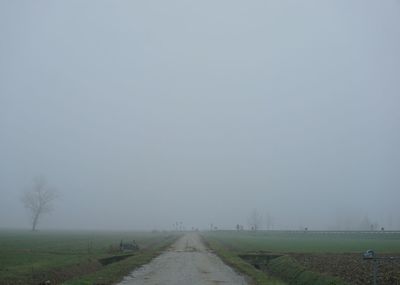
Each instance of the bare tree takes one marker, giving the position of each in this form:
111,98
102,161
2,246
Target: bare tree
38,200
269,221
255,220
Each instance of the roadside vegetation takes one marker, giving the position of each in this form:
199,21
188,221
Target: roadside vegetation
231,258
82,257
292,272
306,257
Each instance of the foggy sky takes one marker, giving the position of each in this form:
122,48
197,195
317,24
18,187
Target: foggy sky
144,113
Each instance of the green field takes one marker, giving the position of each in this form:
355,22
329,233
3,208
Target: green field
322,242
305,258
32,257
72,257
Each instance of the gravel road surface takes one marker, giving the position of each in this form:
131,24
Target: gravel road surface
187,262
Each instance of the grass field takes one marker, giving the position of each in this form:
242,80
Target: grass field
71,258
32,257
312,242
307,257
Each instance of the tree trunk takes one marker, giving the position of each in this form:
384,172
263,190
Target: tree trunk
34,223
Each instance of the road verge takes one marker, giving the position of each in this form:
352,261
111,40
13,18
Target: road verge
232,259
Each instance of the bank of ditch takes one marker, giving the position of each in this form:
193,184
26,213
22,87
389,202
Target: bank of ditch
289,270
64,257
115,268
268,268
232,258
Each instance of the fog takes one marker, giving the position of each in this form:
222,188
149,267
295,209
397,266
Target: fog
145,113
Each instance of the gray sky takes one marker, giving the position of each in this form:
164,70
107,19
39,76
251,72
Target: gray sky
143,113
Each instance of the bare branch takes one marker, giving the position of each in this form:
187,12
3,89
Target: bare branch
255,220
38,200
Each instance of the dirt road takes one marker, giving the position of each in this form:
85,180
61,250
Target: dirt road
188,261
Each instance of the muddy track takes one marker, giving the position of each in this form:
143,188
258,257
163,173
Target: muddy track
188,261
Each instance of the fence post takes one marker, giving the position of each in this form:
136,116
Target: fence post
375,271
